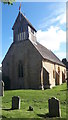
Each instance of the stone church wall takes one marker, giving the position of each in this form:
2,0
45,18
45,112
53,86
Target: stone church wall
50,67
25,52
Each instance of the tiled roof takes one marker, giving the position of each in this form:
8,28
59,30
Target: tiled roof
48,54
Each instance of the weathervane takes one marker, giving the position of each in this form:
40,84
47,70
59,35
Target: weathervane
20,7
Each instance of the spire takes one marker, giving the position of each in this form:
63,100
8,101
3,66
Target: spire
20,7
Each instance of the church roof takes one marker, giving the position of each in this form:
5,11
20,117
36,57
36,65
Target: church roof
26,20
47,54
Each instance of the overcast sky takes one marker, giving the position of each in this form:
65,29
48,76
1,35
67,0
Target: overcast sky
49,19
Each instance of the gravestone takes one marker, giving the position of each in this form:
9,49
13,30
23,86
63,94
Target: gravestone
1,88
30,108
54,107
15,102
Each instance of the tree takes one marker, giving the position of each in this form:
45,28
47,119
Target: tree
65,62
9,2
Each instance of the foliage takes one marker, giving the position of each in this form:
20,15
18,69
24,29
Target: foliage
38,99
9,2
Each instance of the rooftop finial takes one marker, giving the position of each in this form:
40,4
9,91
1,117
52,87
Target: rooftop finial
20,7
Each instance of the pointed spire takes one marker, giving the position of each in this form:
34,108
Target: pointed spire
20,7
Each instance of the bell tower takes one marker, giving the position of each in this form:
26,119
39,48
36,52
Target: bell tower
23,29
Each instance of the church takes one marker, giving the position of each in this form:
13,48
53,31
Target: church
28,64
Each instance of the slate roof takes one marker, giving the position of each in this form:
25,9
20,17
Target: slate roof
47,54
26,20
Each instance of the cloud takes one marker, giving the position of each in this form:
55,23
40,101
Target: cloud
63,18
51,31
56,17
60,18
52,38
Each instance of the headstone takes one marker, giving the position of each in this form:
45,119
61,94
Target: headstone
1,88
30,108
15,102
54,107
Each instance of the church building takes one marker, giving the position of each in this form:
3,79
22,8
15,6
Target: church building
28,64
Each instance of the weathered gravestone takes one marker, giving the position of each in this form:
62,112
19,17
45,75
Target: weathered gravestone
1,88
30,108
15,102
54,107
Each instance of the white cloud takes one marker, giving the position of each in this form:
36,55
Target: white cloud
60,18
55,25
52,38
63,18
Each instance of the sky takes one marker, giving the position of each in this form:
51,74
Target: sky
49,19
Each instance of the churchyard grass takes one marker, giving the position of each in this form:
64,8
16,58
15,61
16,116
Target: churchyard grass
38,99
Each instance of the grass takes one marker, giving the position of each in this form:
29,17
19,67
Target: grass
38,99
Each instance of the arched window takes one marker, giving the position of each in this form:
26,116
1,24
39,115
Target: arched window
20,69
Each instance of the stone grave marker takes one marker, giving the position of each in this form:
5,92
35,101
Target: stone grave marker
15,102
54,107
1,88
30,108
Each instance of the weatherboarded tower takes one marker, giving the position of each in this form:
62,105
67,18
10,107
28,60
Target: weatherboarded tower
28,64
23,29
